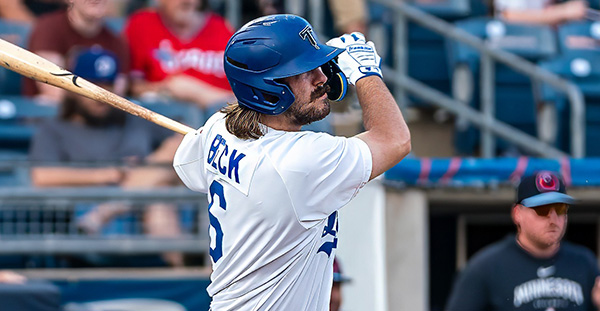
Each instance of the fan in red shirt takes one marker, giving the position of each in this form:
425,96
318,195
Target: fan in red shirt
177,50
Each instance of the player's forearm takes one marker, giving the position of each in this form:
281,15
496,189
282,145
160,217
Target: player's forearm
66,177
387,133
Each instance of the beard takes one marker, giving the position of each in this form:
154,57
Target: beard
113,117
301,113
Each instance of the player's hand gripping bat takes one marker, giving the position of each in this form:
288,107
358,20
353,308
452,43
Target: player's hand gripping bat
35,67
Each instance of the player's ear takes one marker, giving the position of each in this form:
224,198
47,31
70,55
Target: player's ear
516,214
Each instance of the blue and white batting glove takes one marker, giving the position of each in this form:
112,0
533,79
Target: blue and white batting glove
360,58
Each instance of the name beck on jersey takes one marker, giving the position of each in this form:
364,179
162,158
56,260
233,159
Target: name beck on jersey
230,166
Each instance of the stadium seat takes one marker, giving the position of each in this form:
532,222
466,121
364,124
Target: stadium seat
16,33
19,117
581,67
514,95
579,35
480,8
445,9
593,4
427,60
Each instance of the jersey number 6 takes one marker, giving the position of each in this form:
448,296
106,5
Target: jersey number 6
216,189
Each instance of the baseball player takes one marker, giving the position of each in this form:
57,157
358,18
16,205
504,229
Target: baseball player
274,190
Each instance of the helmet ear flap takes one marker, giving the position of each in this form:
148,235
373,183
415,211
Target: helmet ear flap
336,80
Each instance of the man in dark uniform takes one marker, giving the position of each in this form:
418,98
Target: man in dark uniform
534,270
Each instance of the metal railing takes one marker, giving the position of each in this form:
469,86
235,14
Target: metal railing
490,126
43,221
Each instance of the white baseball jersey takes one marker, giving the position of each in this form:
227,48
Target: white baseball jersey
273,211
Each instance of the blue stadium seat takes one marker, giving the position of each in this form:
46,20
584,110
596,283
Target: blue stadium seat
16,33
514,96
427,60
445,9
480,8
19,117
579,35
581,67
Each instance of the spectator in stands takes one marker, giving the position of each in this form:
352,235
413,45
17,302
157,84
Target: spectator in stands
336,291
349,15
91,143
535,270
58,35
177,51
27,11
547,12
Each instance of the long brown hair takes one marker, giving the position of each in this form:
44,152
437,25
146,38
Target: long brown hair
243,122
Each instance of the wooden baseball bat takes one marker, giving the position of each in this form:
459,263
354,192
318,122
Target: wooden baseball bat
40,69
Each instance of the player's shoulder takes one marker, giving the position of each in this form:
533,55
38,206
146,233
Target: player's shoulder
305,150
305,141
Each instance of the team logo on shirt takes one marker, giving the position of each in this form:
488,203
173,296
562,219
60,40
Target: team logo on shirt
548,293
173,61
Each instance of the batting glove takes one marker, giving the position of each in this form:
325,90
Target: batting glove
360,58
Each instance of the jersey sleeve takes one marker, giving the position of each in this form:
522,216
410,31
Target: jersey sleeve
188,162
323,173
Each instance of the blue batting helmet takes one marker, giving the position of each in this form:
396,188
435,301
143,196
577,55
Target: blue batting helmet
275,47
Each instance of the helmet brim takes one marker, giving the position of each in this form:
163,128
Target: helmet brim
307,62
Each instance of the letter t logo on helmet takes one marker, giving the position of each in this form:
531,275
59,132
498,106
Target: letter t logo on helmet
271,48
307,34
